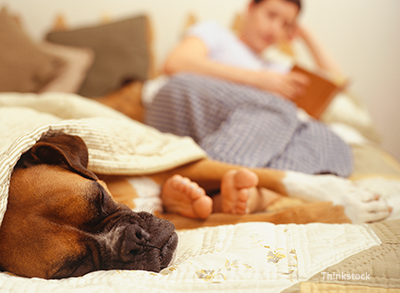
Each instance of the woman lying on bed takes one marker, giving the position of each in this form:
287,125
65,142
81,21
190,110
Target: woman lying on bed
237,106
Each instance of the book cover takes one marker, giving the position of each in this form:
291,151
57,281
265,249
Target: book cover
319,93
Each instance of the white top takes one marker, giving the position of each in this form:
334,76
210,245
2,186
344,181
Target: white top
223,46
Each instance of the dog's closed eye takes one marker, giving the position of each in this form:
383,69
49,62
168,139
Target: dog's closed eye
108,205
101,199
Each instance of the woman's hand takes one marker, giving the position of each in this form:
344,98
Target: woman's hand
290,85
320,55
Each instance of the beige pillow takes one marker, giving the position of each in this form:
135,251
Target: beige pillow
346,109
77,63
23,66
122,52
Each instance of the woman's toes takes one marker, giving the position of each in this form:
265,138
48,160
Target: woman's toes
202,207
243,195
244,178
241,208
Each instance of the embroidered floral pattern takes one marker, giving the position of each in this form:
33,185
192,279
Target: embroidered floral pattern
168,270
274,256
218,276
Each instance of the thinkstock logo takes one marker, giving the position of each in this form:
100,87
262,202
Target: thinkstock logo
344,276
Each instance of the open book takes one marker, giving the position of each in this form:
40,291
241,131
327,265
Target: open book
321,90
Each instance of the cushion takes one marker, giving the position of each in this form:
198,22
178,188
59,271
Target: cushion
77,63
345,108
23,66
121,53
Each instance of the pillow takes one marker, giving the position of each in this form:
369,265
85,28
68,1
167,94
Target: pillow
77,63
23,66
122,51
346,109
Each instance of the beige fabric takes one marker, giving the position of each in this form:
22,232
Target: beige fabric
307,287
24,67
122,50
371,160
346,109
117,144
377,267
77,63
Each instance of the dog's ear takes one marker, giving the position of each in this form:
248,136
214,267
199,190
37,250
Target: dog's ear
63,150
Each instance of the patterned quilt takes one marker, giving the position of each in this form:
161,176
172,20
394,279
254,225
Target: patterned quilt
257,257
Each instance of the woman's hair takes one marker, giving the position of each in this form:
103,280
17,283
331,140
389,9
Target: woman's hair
296,2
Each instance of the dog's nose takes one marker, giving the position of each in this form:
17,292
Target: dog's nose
133,242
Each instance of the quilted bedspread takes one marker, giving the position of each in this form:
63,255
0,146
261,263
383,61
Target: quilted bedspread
249,257
256,257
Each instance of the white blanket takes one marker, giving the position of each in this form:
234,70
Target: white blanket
117,144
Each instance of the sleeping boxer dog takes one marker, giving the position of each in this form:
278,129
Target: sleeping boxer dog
62,222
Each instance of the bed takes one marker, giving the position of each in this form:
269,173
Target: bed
244,257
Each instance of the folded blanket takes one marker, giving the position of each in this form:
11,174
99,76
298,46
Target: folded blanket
117,145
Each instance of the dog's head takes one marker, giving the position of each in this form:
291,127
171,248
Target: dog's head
61,221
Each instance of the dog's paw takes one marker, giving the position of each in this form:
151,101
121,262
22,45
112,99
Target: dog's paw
360,211
360,204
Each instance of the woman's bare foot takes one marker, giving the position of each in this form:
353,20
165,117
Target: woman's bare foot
235,190
240,194
184,197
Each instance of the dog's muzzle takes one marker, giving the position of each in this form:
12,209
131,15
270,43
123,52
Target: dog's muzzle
144,243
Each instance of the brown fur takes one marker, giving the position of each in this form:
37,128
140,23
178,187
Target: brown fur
61,221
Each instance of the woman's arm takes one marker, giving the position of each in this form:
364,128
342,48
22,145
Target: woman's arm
191,55
318,52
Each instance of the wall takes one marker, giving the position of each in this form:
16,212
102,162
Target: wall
362,35
364,38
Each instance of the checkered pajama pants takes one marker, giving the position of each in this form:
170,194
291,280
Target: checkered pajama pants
242,125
